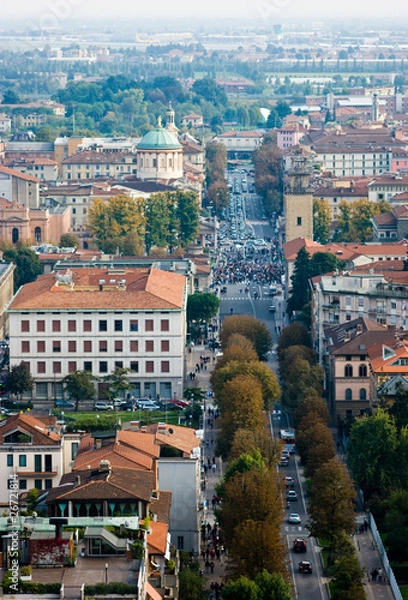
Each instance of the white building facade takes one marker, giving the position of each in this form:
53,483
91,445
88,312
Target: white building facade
98,320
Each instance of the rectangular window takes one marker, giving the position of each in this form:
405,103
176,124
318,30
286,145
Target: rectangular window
149,346
88,366
134,365
40,326
38,484
22,484
56,325
118,325
72,366
41,366
149,325
118,364
103,366
134,325
299,221
87,346
48,463
22,460
180,542
165,366
164,325
72,346
25,326
134,346
56,367
37,463
56,346
40,346
103,325
103,346
48,484
74,449
71,325
149,366
87,325
10,460
118,346
25,346
165,345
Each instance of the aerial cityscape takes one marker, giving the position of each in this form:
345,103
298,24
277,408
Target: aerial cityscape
204,301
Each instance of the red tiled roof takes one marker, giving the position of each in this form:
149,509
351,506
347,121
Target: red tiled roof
18,175
145,288
33,426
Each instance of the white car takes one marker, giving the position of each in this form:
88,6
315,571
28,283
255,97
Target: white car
102,406
294,518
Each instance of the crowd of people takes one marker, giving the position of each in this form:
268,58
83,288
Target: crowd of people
236,268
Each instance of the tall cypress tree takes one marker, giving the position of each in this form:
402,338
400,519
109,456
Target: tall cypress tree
300,293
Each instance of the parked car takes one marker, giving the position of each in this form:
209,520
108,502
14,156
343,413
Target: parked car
102,406
299,545
62,403
292,495
146,404
294,518
127,405
305,567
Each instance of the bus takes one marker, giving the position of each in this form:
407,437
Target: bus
289,439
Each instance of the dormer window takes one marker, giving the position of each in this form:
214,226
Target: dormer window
18,437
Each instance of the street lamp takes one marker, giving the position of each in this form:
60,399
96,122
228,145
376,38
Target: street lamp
106,572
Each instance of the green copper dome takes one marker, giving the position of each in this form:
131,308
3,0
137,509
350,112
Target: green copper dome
159,139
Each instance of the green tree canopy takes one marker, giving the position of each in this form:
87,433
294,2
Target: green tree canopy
202,306
28,265
69,240
80,386
118,382
372,453
321,220
19,379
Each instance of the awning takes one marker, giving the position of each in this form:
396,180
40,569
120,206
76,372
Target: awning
152,593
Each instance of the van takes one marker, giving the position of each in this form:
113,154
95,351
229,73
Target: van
146,404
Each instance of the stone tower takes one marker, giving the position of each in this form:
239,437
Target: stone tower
170,120
298,201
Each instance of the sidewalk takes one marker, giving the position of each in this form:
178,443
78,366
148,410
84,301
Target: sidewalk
215,574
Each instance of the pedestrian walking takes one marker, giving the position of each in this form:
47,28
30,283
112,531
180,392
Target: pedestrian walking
380,575
213,467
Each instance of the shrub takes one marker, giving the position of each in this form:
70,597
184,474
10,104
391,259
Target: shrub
137,550
113,587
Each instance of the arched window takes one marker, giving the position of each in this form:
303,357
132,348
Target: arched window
362,370
37,235
348,371
349,394
14,235
363,394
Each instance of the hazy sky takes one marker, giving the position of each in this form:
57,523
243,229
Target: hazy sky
54,12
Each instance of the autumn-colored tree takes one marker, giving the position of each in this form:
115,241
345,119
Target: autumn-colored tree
311,434
110,221
253,329
216,162
242,408
293,335
252,503
245,440
267,160
298,378
270,388
331,507
288,355
218,195
322,219
354,220
239,348
312,403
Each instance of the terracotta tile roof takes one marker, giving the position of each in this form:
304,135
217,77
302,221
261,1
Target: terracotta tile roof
146,288
382,363
182,438
402,197
240,134
18,175
95,485
91,157
118,455
33,426
385,219
360,343
338,192
157,539
152,593
401,212
390,179
160,506
144,442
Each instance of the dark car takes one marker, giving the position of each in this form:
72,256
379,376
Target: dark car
305,567
62,403
224,290
299,545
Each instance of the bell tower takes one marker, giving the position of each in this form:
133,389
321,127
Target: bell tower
170,120
298,201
